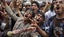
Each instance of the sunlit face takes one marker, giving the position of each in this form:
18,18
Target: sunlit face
20,6
39,18
17,2
27,15
59,6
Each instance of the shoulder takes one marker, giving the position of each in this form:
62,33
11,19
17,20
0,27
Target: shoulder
52,18
49,21
20,19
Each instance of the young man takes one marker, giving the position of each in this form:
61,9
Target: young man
39,24
56,23
35,7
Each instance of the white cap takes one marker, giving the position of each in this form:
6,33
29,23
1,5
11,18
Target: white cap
27,3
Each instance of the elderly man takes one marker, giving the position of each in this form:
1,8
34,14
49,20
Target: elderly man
21,22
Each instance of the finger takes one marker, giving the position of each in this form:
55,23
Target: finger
33,28
32,20
1,12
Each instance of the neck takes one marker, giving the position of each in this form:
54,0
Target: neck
41,23
60,16
35,11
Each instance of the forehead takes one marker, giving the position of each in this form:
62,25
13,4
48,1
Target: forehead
38,15
59,0
28,13
33,4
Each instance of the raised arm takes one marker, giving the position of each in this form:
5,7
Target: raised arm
9,11
46,7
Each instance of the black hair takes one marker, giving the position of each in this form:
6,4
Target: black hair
36,3
52,7
43,16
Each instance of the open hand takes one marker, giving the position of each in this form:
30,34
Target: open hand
17,31
31,29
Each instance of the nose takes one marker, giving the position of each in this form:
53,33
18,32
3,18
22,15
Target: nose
38,17
58,4
33,6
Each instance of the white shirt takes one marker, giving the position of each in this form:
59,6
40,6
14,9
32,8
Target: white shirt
49,14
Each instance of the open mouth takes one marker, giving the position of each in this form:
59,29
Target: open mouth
57,8
37,20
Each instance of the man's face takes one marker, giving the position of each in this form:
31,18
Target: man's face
39,18
34,6
27,15
20,6
59,6
28,6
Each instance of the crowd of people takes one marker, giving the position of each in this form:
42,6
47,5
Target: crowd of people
31,19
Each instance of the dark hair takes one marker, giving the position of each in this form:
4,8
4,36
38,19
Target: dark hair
52,7
43,16
36,3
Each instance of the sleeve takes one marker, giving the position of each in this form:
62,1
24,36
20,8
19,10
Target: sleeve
10,12
3,34
49,28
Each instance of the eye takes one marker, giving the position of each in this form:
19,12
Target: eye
56,2
60,2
